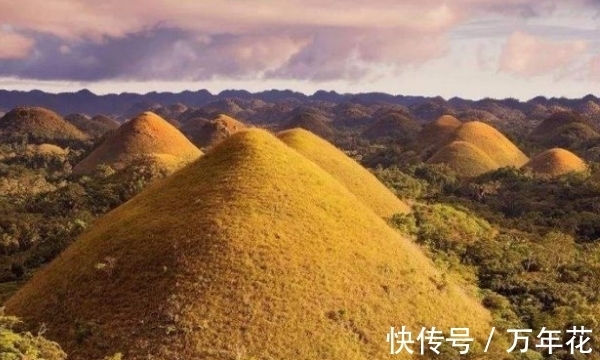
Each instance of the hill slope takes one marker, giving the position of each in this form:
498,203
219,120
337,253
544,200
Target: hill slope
555,162
392,126
252,251
94,127
312,121
435,134
39,126
556,121
566,130
215,131
464,158
492,142
145,136
356,178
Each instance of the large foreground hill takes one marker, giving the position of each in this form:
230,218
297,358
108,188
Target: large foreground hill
252,251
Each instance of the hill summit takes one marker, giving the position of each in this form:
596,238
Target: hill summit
464,158
38,125
435,134
146,136
555,162
251,251
474,148
492,142
312,121
356,178
209,134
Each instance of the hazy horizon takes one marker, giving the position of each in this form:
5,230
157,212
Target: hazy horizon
467,48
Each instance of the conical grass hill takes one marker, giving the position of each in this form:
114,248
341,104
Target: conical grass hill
253,251
492,142
466,159
38,125
215,131
146,137
356,178
555,162
435,134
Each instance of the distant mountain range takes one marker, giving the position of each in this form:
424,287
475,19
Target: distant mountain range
118,105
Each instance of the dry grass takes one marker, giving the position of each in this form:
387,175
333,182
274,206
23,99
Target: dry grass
555,162
464,158
434,135
147,135
40,125
492,143
217,130
357,179
253,250
47,149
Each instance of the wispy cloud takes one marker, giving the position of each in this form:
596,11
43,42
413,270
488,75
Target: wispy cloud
253,39
14,45
528,55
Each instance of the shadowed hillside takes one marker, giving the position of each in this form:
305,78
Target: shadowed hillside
145,136
565,129
38,125
357,179
555,162
94,127
252,251
392,126
213,132
312,121
436,133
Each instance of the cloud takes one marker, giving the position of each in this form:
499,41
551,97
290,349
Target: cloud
528,56
594,68
156,54
14,46
243,39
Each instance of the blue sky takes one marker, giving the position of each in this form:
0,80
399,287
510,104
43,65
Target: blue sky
468,48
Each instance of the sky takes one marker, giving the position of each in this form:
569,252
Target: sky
467,48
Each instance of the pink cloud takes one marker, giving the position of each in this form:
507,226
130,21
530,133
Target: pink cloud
307,39
594,68
527,55
14,46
